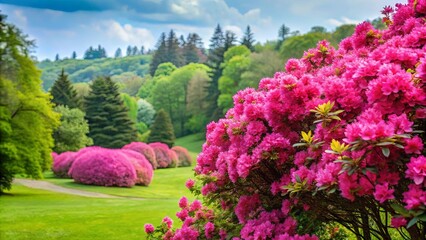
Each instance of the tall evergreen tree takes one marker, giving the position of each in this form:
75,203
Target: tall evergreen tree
63,92
248,39
142,51
129,51
283,33
162,129
135,51
73,55
193,49
173,50
109,123
160,55
57,57
118,53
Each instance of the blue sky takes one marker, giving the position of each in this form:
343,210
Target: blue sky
63,26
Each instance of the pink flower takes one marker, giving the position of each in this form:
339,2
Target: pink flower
416,169
149,228
208,230
208,188
190,184
383,193
195,205
183,202
168,222
182,215
246,205
414,197
398,222
413,145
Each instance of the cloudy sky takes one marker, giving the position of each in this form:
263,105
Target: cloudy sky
63,26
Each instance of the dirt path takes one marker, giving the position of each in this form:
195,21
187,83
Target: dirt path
55,188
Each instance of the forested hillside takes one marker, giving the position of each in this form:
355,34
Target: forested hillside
85,70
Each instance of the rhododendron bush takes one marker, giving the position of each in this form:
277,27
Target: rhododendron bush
144,149
184,159
62,163
166,158
336,139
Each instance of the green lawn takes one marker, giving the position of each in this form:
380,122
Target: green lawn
27,213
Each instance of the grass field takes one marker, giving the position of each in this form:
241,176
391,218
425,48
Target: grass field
27,213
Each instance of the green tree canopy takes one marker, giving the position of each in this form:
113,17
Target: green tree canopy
63,92
162,129
72,133
294,47
110,125
27,120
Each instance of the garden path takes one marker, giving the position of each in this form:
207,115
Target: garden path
38,184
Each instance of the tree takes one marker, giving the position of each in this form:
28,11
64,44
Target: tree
57,58
162,129
129,51
236,62
118,53
131,105
248,39
262,64
92,53
283,33
135,51
193,49
318,29
160,55
342,32
74,55
63,92
110,125
294,47
26,116
195,101
174,54
146,112
72,133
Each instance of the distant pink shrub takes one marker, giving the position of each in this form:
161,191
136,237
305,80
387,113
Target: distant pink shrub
184,159
144,149
165,157
143,167
103,167
62,163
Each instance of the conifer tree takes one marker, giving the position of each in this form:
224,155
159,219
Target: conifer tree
129,51
109,123
74,55
118,53
63,92
162,129
173,50
192,50
248,39
160,55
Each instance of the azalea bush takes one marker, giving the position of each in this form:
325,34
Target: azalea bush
336,138
184,159
103,167
143,168
62,163
165,157
144,149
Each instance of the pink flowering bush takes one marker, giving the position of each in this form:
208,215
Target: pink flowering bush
184,159
143,168
62,163
337,138
144,149
165,157
103,167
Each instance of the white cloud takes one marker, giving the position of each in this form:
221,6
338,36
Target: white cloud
342,21
20,17
127,33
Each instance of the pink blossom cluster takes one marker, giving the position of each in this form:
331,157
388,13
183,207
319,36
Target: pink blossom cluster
339,129
110,167
184,159
165,157
144,149
62,163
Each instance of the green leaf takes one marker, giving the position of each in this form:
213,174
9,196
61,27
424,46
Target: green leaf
386,152
412,222
299,145
400,209
385,143
422,217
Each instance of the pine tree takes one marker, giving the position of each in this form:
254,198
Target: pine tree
57,58
63,92
109,123
160,55
173,50
248,39
73,55
118,53
135,51
162,129
192,50
129,51
283,32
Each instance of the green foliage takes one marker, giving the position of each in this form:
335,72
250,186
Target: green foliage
26,116
164,69
131,105
248,39
63,92
293,47
145,112
236,62
162,129
342,32
263,64
128,82
94,53
197,93
85,70
110,125
72,133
